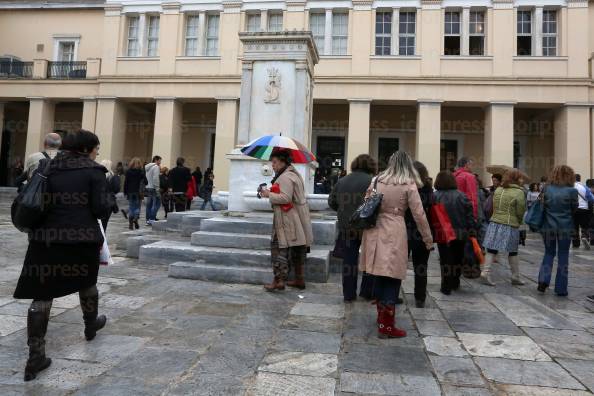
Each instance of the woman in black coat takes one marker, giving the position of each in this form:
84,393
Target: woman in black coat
63,253
134,183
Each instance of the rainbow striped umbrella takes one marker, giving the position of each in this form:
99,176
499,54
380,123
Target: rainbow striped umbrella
263,147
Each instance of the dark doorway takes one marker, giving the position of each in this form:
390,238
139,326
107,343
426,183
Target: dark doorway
386,146
330,154
449,154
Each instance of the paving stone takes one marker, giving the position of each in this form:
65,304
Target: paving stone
121,301
10,324
426,314
310,323
388,384
367,358
238,358
29,390
479,306
460,295
69,301
528,312
456,370
209,384
583,319
444,346
520,390
481,322
21,309
271,384
109,349
569,351
454,390
331,311
121,386
522,372
300,363
559,336
157,365
306,341
580,369
434,328
503,346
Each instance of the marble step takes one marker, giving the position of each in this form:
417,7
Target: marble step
200,270
231,240
167,252
324,230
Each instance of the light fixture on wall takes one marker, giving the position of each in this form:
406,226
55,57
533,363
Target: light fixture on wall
40,47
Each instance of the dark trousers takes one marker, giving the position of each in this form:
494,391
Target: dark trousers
386,289
581,219
350,272
555,245
420,258
167,199
450,260
180,202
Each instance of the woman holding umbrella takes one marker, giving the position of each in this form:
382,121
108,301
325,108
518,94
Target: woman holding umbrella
291,231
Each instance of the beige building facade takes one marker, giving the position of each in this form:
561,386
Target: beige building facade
501,81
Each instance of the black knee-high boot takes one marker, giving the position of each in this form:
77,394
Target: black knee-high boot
37,320
89,303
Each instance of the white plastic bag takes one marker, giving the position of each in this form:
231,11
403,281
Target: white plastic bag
104,254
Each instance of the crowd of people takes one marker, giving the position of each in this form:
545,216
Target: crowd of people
64,248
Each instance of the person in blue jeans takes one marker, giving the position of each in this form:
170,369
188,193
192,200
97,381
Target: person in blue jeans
153,194
560,200
207,188
134,181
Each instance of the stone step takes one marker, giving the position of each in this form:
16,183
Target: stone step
134,243
324,230
231,240
167,252
200,270
191,223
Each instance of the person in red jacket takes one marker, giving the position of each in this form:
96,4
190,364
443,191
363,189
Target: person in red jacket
191,192
467,183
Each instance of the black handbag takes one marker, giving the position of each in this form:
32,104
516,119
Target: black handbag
29,207
365,216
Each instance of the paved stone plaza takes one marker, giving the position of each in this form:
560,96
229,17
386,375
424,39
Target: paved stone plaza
178,337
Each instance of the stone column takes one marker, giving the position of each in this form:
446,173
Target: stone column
264,20
168,28
41,122
573,138
295,15
113,34
364,29
358,136
111,128
430,37
89,115
201,32
499,134
40,69
501,34
167,138
243,129
428,136
395,50
328,33
577,53
537,26
229,27
226,128
465,33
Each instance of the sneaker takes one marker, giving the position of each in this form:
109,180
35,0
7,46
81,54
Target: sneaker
590,298
542,287
586,243
149,223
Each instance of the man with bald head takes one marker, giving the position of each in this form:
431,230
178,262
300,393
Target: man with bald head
51,145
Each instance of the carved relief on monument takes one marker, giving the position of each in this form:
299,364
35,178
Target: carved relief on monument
273,86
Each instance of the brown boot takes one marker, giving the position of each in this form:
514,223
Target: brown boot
299,281
277,284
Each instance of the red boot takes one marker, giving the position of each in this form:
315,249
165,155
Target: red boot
387,327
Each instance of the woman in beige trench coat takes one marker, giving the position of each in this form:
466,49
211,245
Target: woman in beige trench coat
385,247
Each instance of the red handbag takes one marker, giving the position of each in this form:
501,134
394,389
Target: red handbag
275,188
441,224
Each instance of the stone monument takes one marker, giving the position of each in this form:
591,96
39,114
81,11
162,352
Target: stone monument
276,98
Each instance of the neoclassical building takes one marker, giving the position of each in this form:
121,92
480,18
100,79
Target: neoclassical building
502,81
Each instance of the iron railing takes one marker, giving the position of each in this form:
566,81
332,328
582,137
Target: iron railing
16,69
67,70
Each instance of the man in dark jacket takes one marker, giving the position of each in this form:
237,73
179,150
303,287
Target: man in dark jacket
346,196
178,180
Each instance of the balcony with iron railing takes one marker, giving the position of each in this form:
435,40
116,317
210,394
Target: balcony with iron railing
15,69
67,70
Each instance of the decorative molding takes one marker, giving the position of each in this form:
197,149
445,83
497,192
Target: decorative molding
359,100
226,98
165,98
577,3
362,5
88,98
578,104
433,102
296,5
431,4
171,8
113,9
503,4
503,103
232,6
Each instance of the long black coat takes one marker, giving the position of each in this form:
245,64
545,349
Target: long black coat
133,182
347,195
179,178
63,253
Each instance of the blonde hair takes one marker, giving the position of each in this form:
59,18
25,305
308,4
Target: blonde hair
135,163
401,170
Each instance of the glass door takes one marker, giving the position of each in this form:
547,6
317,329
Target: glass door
386,146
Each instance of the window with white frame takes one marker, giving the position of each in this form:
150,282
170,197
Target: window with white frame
192,35
383,33
275,21
132,48
452,33
340,33
212,35
317,25
476,33
549,33
253,22
524,33
66,51
406,32
152,36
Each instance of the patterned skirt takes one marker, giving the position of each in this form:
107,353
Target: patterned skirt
502,237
